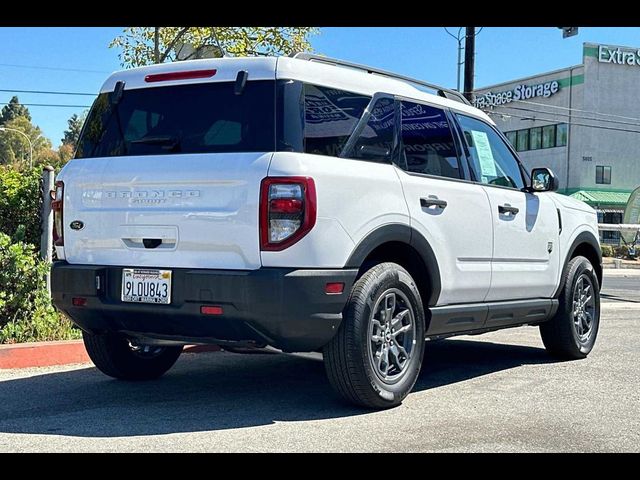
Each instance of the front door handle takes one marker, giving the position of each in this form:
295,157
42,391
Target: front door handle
506,209
433,202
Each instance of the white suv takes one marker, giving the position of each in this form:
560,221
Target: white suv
310,204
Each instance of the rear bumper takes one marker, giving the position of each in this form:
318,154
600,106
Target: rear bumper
285,308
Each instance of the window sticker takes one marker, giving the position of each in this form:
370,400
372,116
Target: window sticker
485,155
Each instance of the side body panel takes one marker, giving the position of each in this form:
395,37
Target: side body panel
354,199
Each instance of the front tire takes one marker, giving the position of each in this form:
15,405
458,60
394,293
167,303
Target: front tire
116,356
375,357
571,333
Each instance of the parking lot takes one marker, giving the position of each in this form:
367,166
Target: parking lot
496,392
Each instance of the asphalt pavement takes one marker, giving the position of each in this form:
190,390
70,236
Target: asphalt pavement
494,392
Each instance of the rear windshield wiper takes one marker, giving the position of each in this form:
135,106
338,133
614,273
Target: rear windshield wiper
166,141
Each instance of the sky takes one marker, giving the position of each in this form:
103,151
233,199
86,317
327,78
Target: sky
77,59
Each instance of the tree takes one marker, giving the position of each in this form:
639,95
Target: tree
14,109
65,153
72,134
15,148
148,45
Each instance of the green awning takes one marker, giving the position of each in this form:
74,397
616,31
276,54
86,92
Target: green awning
602,197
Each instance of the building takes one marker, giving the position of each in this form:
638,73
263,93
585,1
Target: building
582,121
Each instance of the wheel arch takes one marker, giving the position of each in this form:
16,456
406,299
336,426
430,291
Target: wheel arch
586,245
407,247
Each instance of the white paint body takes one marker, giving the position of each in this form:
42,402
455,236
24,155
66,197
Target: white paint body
205,206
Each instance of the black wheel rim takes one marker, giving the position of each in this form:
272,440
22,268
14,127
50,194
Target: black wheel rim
584,308
392,335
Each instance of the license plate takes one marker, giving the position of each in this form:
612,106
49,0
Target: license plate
142,285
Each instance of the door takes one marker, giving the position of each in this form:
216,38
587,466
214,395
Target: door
452,214
525,258
165,180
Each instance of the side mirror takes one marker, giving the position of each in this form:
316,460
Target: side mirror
543,180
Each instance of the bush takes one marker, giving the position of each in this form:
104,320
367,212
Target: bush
20,204
26,313
621,251
607,250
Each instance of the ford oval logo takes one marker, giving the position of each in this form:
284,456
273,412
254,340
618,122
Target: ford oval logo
76,225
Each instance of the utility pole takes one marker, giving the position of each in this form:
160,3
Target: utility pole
469,60
458,38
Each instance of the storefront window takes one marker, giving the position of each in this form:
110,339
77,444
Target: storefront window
522,143
549,136
535,138
561,134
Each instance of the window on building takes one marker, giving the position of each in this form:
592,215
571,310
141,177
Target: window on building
329,118
561,134
535,138
538,137
491,159
522,142
427,142
549,136
603,174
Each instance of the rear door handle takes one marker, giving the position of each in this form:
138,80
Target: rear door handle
506,208
433,202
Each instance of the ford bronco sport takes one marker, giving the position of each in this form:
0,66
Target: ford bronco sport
310,204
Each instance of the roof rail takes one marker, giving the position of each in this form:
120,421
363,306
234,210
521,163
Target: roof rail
441,91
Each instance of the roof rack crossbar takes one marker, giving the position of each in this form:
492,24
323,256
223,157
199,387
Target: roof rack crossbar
441,91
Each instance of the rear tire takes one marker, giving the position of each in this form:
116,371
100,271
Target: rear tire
571,333
113,355
375,357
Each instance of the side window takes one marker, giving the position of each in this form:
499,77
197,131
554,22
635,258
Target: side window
376,140
427,142
329,118
491,160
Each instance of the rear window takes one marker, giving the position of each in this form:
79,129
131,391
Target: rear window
198,118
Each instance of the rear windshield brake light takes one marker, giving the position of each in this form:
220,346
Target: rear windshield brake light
166,77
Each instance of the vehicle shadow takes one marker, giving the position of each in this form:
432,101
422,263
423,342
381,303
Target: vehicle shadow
215,391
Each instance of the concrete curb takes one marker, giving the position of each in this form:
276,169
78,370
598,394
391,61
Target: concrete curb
47,354
621,272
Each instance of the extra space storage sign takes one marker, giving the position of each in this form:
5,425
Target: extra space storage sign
520,92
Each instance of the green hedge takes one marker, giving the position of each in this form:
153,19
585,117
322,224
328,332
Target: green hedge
20,204
26,313
607,250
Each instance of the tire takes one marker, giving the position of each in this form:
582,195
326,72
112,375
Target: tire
114,356
355,358
571,335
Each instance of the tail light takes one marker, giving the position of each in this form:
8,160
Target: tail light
287,211
57,196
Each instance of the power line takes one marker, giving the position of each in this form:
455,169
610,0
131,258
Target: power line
633,124
53,105
40,67
577,110
47,92
528,117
